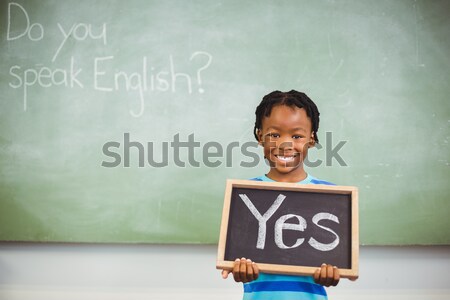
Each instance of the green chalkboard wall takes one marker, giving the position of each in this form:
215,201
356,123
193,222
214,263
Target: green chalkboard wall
91,90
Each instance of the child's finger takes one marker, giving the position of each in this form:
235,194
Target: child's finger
336,276
225,274
255,270
236,267
250,271
330,275
243,270
323,274
317,276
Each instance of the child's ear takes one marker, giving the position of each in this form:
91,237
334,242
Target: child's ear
260,137
312,141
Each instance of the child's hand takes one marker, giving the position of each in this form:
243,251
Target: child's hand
327,275
244,270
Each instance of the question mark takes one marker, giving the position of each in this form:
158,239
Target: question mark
199,78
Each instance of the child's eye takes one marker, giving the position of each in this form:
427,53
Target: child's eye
296,137
273,135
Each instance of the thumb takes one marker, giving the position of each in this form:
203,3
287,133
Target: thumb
225,274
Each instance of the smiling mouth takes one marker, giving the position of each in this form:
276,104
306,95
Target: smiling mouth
286,158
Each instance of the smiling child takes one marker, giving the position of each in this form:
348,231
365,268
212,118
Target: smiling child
286,127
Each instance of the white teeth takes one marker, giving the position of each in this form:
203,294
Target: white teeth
286,158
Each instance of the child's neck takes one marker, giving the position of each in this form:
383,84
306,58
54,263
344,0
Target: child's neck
291,177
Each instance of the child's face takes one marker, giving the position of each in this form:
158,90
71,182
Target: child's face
286,136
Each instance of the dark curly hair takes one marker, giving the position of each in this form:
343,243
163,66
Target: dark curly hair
291,98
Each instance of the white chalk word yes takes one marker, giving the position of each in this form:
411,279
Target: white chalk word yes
281,225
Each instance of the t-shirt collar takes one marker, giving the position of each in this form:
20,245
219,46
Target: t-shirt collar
307,180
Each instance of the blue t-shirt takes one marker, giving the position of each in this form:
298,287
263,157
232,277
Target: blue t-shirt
282,287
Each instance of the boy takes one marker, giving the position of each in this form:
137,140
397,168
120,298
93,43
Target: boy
286,127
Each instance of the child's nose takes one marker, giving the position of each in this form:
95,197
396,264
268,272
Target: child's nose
286,144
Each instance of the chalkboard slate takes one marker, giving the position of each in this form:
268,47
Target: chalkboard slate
290,228
151,71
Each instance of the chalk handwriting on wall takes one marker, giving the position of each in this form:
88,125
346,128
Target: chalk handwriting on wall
281,225
166,78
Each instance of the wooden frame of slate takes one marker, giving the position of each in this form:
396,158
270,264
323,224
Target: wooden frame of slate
290,228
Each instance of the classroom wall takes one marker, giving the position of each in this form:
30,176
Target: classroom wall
116,272
166,71
359,60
